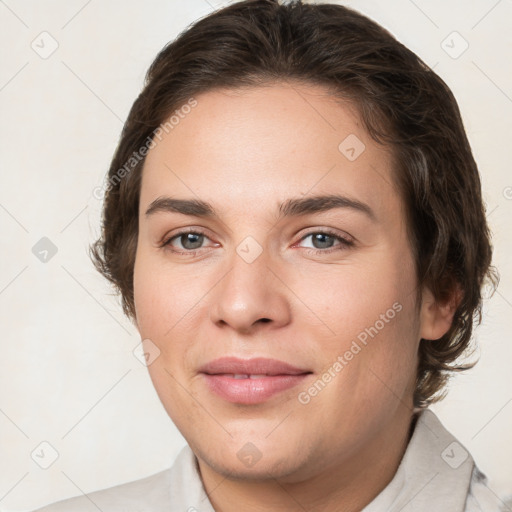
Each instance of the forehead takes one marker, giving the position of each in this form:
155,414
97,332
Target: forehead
263,145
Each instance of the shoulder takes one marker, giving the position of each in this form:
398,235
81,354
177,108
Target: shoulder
482,497
436,473
145,495
176,488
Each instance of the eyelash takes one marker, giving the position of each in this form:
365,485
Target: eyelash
344,242
167,243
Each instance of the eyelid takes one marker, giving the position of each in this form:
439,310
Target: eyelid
166,240
345,241
328,231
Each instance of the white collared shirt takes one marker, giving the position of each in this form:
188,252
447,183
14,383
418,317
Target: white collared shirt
436,474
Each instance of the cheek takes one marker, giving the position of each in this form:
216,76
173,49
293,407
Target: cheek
354,298
164,298
369,310
164,304
370,366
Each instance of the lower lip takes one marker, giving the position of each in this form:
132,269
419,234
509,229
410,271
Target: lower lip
251,391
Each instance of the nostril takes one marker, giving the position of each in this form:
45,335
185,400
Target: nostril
265,320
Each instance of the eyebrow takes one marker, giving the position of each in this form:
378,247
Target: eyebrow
290,208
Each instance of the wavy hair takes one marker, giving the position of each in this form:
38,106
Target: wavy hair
403,105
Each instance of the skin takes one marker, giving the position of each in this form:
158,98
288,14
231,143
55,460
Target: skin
245,152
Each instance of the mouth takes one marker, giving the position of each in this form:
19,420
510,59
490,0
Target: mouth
251,381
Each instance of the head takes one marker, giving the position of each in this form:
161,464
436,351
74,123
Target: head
254,122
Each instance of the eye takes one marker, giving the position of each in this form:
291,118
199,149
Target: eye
321,242
186,241
326,241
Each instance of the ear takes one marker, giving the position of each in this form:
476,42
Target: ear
436,318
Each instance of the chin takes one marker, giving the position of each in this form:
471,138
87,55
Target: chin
266,468
258,460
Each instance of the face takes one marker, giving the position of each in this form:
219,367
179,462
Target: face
275,281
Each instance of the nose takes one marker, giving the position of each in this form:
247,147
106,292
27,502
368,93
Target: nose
250,297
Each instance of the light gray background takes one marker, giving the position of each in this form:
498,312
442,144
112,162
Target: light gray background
69,376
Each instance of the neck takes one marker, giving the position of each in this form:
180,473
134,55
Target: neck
343,487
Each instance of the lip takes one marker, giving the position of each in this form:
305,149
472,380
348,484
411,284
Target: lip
267,377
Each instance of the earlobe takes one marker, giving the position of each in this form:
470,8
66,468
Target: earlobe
436,318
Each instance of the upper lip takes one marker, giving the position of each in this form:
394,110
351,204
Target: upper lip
254,366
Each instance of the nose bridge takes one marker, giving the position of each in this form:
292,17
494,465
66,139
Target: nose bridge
250,292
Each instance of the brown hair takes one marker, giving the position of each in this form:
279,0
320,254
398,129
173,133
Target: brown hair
402,103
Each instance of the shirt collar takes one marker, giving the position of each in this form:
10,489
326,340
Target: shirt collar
434,474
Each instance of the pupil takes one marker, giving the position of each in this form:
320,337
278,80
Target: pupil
192,240
322,240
